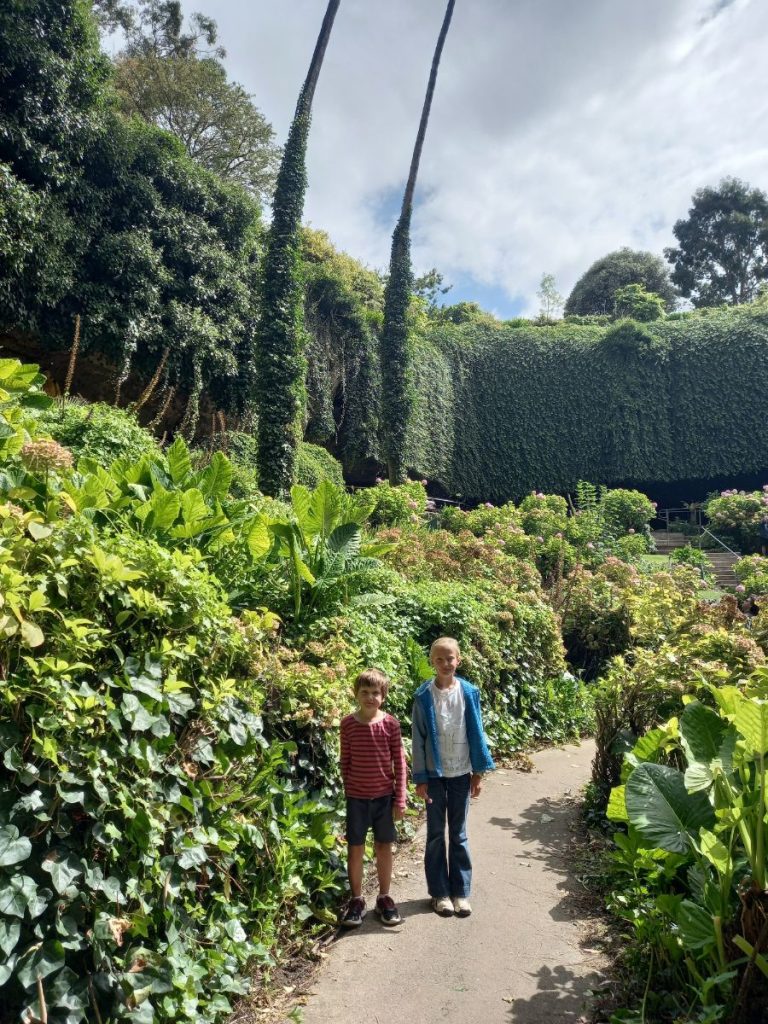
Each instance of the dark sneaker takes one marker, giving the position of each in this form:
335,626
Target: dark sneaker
355,913
386,911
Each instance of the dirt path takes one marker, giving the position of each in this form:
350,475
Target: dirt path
521,958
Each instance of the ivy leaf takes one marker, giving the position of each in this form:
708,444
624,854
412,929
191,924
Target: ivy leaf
20,894
63,868
192,856
9,936
39,962
13,848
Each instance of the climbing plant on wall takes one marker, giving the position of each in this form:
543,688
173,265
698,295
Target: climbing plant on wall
281,363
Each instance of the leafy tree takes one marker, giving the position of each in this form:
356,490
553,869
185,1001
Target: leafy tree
397,400
156,27
549,297
280,354
215,119
634,301
722,253
595,291
429,286
52,79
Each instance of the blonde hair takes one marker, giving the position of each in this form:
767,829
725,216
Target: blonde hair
445,641
372,677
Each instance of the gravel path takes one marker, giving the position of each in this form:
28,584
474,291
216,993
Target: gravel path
521,958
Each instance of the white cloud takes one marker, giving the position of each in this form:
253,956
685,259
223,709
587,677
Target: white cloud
559,130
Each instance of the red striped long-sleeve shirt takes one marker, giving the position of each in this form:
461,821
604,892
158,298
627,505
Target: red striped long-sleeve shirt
373,759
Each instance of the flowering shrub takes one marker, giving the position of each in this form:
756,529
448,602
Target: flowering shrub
737,514
752,571
626,511
399,505
478,520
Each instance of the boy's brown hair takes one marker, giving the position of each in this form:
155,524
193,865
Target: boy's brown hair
373,677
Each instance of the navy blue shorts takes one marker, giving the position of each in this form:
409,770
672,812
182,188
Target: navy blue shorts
365,814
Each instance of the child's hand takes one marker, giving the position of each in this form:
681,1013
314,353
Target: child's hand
397,813
421,792
476,785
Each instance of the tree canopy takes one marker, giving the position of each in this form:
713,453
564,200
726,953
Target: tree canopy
722,251
595,291
215,119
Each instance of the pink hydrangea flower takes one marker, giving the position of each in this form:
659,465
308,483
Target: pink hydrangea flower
631,530
540,540
740,588
379,480
488,504
590,546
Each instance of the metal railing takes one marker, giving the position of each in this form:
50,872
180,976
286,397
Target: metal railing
720,542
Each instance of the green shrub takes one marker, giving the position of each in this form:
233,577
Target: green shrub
136,778
737,515
688,555
626,511
752,573
315,464
398,505
100,432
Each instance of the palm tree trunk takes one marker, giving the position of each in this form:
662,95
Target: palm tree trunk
280,360
397,399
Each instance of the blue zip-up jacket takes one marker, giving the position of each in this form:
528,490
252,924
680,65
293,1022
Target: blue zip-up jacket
425,752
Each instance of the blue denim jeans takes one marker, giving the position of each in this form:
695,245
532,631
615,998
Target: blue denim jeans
451,875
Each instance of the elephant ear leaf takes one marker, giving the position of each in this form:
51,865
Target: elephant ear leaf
345,540
696,926
665,814
324,509
708,741
751,720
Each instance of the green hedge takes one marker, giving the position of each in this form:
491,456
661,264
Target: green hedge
503,410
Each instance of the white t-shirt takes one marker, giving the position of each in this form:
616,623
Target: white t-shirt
452,730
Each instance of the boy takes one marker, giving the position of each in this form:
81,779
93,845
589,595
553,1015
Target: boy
450,755
374,774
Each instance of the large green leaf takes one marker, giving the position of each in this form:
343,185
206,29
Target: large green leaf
13,848
179,462
215,479
617,805
301,499
662,810
696,926
259,540
161,511
345,540
751,720
324,509
708,741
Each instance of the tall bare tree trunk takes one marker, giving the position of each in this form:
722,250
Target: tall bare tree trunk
397,399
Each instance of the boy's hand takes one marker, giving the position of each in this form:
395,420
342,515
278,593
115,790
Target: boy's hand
421,792
397,813
476,785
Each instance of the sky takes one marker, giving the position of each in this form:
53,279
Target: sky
560,130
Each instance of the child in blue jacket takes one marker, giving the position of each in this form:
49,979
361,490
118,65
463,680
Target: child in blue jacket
450,756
